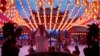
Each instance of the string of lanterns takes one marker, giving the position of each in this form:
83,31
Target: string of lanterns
3,5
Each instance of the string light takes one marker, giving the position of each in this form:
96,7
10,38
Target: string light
26,14
31,13
77,25
91,13
37,12
44,13
64,16
57,14
86,10
25,23
51,11
68,18
72,21
8,10
77,2
16,16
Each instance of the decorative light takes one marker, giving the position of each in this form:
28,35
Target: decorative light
57,14
50,2
77,2
85,2
91,13
64,16
31,13
26,14
68,18
51,9
72,21
40,3
37,12
45,17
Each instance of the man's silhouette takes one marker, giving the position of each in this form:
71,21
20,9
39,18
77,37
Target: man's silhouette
10,33
92,41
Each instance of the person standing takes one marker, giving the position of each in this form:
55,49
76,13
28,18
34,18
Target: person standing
41,39
76,52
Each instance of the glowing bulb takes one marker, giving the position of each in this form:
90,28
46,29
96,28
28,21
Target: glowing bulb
77,2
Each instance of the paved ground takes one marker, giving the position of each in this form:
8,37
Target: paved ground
24,50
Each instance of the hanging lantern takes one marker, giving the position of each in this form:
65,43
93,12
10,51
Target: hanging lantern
3,8
4,2
50,2
85,2
77,2
41,3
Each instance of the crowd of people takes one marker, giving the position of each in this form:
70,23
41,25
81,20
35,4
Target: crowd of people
93,48
40,39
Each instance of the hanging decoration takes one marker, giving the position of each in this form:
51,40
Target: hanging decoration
3,5
50,2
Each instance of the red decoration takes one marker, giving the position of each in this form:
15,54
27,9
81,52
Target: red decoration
4,2
60,37
3,8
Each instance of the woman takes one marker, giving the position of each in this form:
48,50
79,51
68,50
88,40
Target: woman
41,39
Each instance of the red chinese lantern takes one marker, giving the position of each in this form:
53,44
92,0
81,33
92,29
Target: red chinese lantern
4,2
3,8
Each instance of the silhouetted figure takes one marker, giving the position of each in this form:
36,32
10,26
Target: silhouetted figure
87,51
53,49
14,50
76,52
65,48
92,41
10,33
31,50
41,39
60,39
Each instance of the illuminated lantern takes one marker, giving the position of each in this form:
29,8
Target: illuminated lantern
4,2
3,8
50,2
77,2
85,2
41,3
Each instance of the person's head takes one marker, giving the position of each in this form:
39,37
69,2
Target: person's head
76,47
41,29
31,44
